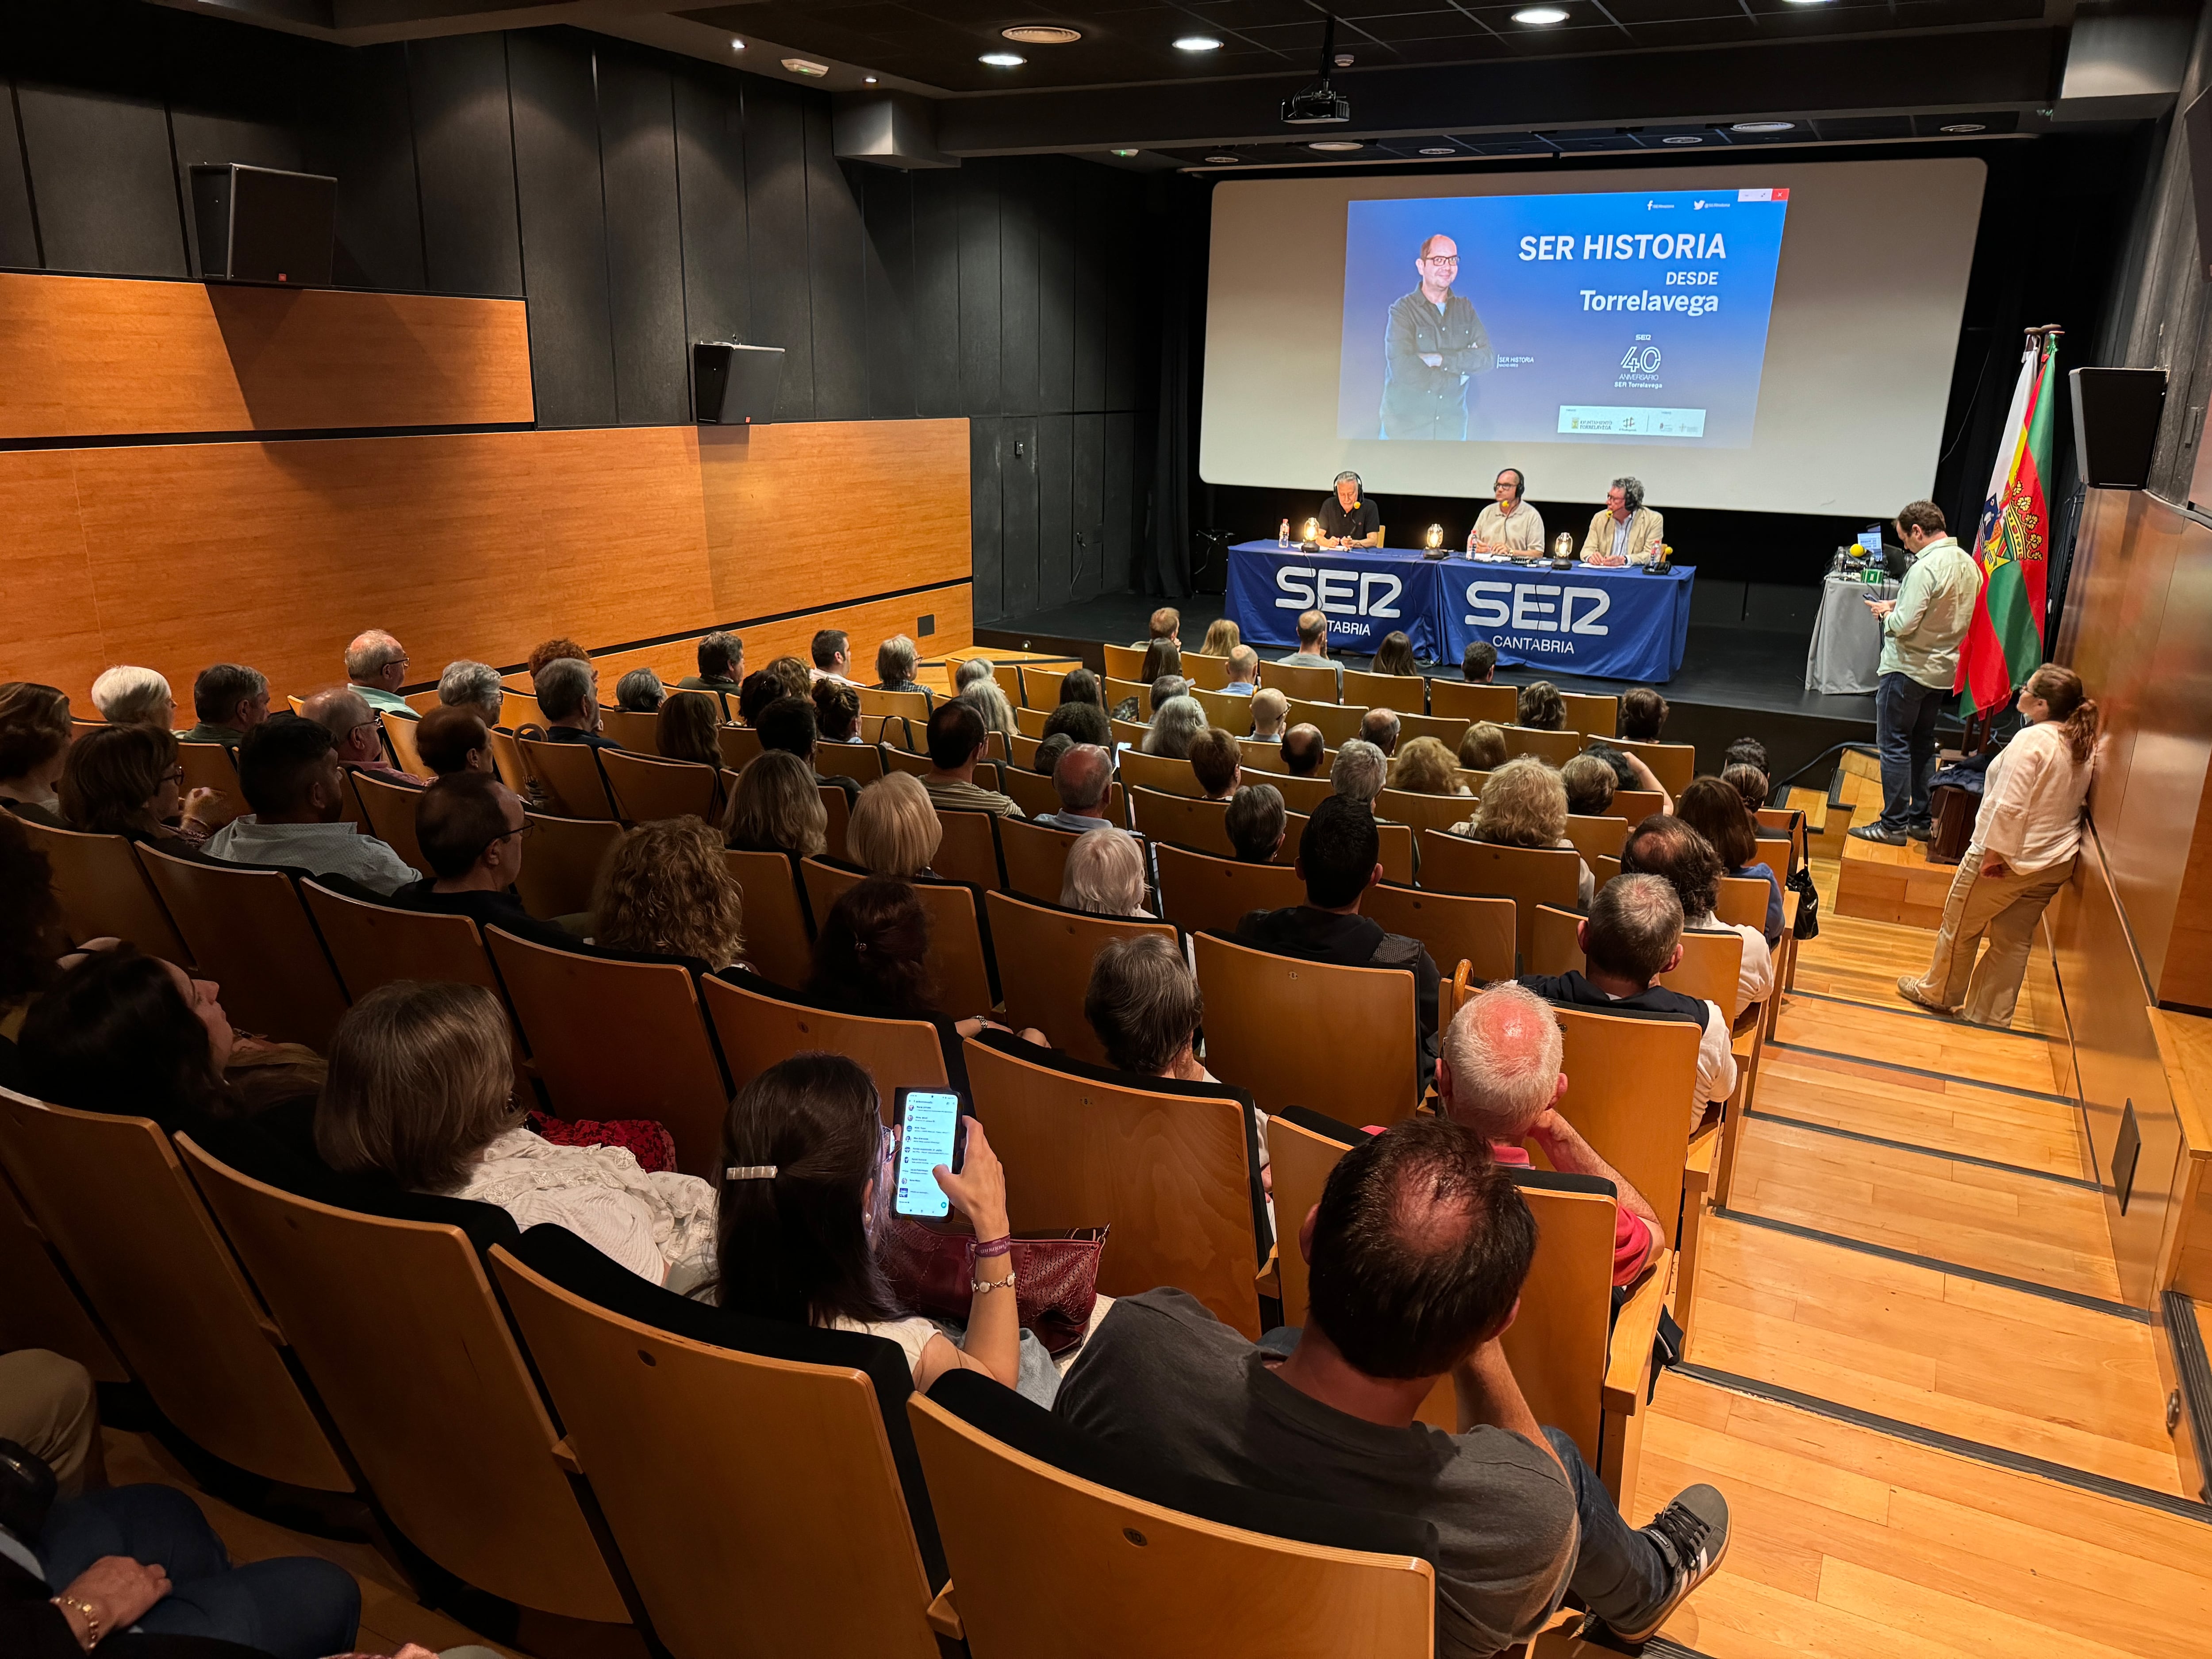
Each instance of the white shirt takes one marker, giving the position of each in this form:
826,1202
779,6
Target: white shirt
661,1226
1521,529
321,849
2031,798
1715,1063
1755,979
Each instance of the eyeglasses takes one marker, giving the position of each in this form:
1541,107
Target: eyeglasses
522,831
368,725
174,775
1440,260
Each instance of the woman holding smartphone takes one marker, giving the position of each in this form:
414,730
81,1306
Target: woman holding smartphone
808,1173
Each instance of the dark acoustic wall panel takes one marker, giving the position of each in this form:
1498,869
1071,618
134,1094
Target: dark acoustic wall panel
983,514
937,295
19,230
775,211
1123,342
101,174
645,242
1017,513
887,280
1018,289
979,392
564,230
1086,495
1124,512
1055,518
1090,370
836,275
464,159
710,173
366,141
1055,322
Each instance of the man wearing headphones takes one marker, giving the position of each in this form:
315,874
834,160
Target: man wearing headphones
1349,519
1624,531
1508,525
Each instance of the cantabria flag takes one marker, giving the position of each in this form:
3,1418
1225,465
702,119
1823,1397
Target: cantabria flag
2004,643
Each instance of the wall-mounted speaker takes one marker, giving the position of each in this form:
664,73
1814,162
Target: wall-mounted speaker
734,385
2116,416
261,225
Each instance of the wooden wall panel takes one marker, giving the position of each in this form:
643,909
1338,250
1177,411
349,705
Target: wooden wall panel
786,503
88,356
476,545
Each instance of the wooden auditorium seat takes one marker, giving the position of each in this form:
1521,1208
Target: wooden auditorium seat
1164,774
959,960
1040,681
43,1308
1592,715
1598,838
399,738
1172,820
744,1466
910,705
779,932
645,788
1174,1168
109,1195
1674,764
617,1038
1529,876
1200,892
1205,672
1301,795
570,773
1338,722
1123,662
762,1024
1299,684
1443,728
1408,694
1499,704
969,850
1035,854
1635,804
389,809
1037,1521
373,944
1229,710
399,1329
1118,691
741,745
862,761
1421,812
247,930
1022,751
1743,902
1554,944
1557,747
1045,955
1456,927
837,819
1711,969
104,892
506,760
637,730
561,865
1348,1022
212,766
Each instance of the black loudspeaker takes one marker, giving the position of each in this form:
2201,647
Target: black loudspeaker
734,385
2116,413
258,225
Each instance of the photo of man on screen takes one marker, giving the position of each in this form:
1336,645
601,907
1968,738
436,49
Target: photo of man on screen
1433,343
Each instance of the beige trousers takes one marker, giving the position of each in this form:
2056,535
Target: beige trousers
2005,909
47,1404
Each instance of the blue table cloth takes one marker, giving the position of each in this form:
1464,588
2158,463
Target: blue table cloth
1611,624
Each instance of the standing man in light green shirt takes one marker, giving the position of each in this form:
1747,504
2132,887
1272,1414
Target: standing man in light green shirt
1921,630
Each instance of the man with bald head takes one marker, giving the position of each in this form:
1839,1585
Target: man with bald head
1302,751
376,666
1433,342
1270,708
1498,1074
1081,779
344,712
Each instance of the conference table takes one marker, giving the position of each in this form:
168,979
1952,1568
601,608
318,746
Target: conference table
1626,624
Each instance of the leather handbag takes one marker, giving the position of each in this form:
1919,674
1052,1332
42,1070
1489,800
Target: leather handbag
1055,1274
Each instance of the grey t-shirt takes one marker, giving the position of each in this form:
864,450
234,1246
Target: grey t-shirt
1161,1374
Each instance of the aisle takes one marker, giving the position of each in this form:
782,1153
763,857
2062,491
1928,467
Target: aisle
1940,1431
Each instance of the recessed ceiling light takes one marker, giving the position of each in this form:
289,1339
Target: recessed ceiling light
1125,152
1003,59
1197,42
806,67
1684,139
737,46
1042,34
1764,126
1224,161
1539,15
867,80
1965,126
1440,149
1334,145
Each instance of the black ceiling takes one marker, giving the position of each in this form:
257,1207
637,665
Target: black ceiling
938,42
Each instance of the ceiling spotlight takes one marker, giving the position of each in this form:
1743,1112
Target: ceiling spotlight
1965,126
1042,34
1440,149
1686,138
1342,60
1197,42
807,67
1336,145
1539,15
1225,161
867,80
1003,59
1764,126
1125,152
737,46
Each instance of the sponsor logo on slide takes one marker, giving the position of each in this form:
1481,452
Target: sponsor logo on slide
1543,616
1643,422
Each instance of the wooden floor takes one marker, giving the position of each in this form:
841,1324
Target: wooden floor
1852,1539
1940,1264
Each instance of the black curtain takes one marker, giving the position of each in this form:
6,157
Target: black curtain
1181,206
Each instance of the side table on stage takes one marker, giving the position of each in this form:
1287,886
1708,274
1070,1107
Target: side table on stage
1845,655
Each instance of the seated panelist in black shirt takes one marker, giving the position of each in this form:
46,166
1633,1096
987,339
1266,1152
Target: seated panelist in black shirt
1349,519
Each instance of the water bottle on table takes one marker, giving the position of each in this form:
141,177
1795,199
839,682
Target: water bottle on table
1283,536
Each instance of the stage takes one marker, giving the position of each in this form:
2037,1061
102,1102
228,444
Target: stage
1735,681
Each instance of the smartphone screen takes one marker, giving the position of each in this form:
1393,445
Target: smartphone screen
929,1134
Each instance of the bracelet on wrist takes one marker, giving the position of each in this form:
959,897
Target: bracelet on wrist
985,1287
92,1631
1002,1245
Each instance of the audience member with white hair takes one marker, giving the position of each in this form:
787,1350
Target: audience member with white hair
569,697
1499,1072
640,692
1632,935
1358,772
474,686
896,662
1175,723
1524,803
134,696
1082,778
376,665
1257,822
1104,875
1270,708
344,712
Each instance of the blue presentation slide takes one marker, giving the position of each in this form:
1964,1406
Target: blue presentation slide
1622,316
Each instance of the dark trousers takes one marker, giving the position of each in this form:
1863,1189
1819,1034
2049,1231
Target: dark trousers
1619,1574
297,1608
1904,713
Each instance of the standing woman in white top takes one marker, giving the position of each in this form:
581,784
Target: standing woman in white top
2024,839
806,1191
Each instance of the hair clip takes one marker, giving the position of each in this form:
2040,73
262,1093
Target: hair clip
750,1172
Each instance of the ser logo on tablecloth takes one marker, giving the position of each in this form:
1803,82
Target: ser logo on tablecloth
1337,594
1540,614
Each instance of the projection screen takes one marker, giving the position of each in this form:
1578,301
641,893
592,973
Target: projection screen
1765,336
